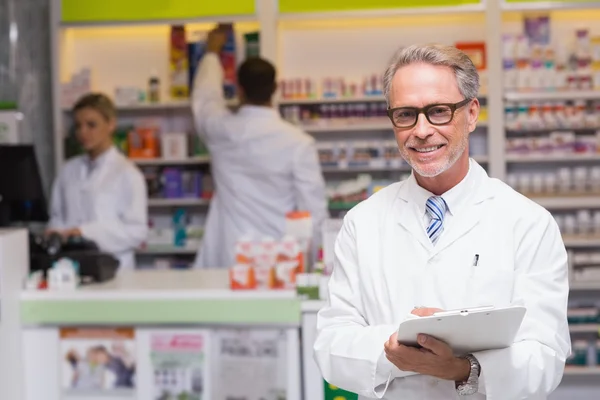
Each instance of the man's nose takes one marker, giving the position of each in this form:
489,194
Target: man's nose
423,128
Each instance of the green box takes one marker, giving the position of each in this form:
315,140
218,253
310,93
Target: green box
335,393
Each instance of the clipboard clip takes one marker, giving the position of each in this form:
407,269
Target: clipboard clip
463,311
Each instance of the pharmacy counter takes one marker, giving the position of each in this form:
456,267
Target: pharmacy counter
163,297
161,318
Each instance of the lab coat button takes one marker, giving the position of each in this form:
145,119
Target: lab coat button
433,382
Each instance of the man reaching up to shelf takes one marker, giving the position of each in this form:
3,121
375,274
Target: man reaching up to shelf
448,237
263,167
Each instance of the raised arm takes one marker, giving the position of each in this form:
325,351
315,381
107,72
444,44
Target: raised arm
208,101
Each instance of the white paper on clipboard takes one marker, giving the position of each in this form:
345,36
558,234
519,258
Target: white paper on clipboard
467,331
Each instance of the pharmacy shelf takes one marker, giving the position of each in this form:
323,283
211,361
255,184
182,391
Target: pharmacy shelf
366,168
550,5
342,100
381,13
567,202
166,251
357,126
164,106
585,286
162,161
183,202
551,158
584,328
581,371
581,242
556,95
374,168
332,100
379,124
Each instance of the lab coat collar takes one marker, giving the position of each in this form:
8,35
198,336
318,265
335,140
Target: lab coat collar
258,111
92,168
101,159
473,190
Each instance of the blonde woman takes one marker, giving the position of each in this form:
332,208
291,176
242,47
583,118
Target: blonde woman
101,195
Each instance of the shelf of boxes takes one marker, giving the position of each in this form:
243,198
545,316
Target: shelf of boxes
197,160
552,158
553,95
581,371
567,202
584,328
585,286
178,202
540,5
160,106
573,241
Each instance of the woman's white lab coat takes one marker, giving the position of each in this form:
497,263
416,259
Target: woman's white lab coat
263,167
106,200
385,266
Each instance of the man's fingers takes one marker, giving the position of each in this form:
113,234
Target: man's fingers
425,311
435,346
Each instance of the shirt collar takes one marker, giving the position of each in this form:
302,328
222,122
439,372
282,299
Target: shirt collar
258,111
455,198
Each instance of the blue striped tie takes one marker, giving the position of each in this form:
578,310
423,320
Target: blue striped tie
436,207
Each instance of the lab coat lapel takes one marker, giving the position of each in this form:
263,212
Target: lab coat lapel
469,216
409,218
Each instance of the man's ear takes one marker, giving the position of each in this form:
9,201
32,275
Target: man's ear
473,114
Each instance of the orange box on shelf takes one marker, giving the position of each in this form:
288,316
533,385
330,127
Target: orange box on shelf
241,277
290,262
476,52
143,143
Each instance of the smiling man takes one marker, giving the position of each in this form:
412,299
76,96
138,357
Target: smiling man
410,248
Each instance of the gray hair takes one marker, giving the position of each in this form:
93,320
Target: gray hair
435,54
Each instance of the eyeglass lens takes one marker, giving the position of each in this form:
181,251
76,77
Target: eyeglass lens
408,116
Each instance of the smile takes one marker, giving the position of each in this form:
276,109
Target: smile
427,149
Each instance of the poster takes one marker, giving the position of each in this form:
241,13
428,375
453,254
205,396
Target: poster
256,360
179,365
98,362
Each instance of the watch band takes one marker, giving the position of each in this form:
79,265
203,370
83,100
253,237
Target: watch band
471,385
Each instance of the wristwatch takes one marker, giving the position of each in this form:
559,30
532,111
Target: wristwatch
471,385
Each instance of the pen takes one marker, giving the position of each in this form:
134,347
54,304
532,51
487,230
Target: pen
476,260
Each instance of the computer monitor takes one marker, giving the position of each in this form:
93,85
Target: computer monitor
22,197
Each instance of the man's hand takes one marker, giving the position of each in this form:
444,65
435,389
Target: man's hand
435,358
425,311
65,233
216,40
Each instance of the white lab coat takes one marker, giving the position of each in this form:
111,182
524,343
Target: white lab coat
108,204
262,166
385,265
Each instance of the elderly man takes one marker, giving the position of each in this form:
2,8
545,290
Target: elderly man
412,244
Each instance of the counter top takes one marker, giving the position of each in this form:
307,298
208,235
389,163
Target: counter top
161,297
160,285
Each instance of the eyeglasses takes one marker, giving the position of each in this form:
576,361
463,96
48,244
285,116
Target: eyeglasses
436,114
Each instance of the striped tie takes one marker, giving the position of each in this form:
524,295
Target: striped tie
436,207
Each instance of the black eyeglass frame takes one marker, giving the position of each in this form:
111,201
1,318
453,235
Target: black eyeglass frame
423,110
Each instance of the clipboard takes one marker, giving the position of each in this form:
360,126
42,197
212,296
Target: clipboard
466,330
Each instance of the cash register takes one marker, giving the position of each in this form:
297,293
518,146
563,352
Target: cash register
22,202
